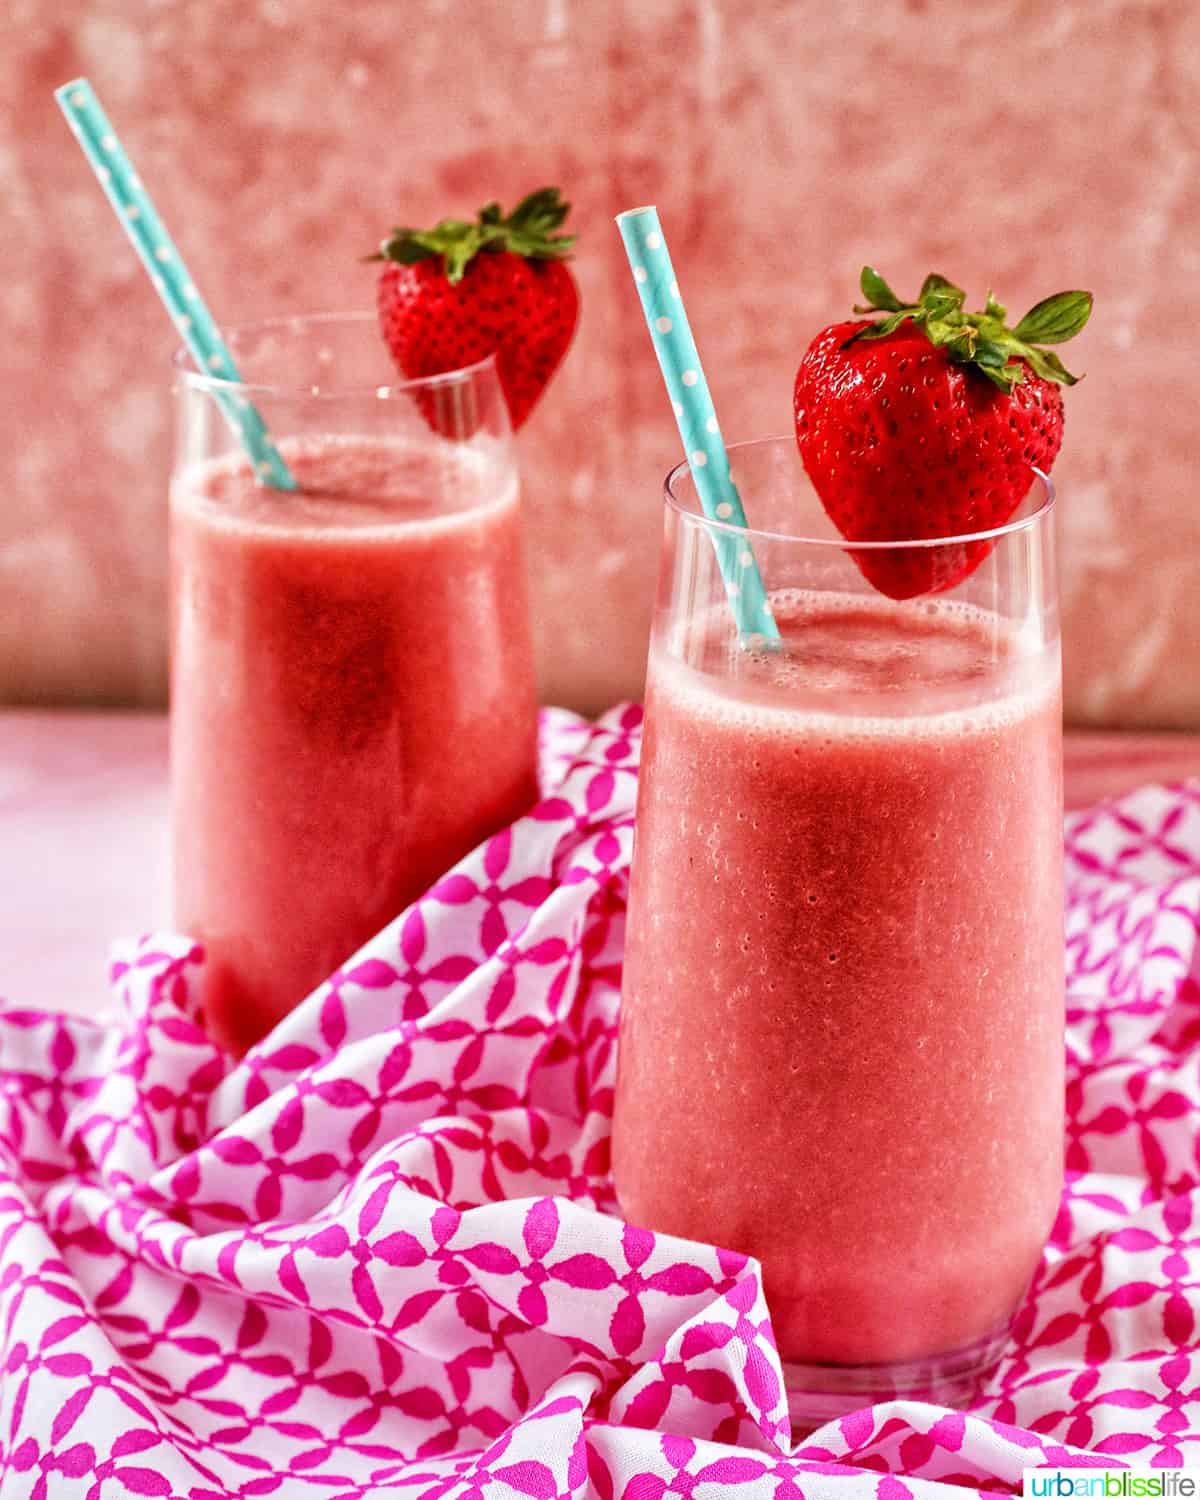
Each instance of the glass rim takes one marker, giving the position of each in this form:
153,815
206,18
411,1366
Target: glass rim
687,513
185,369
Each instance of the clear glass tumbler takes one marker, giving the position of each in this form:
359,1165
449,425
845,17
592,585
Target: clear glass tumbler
352,690
841,1043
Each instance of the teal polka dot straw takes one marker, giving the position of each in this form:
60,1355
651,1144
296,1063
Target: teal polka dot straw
168,273
697,420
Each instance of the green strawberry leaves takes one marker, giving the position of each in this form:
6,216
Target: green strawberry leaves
1055,319
530,230
981,339
877,292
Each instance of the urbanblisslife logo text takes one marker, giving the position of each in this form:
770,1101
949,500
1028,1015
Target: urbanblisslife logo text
1111,1484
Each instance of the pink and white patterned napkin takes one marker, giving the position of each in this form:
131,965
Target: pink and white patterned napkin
379,1257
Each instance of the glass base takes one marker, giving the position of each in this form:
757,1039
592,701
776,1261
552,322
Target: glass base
818,1394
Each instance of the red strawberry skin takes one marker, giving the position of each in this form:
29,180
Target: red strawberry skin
523,310
902,441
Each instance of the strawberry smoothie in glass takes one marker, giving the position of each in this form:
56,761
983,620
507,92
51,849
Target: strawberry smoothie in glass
352,694
841,1038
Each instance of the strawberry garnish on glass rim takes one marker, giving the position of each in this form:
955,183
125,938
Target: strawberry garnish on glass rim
451,295
929,422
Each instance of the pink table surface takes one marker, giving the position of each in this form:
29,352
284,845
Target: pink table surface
83,805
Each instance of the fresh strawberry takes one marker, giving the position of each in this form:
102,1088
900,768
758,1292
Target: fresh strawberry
451,295
929,422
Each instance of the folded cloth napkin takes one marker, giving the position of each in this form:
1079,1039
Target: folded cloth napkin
379,1257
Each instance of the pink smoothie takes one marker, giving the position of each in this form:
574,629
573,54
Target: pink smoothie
353,705
841,1040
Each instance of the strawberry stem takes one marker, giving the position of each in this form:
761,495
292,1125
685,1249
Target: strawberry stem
530,230
980,339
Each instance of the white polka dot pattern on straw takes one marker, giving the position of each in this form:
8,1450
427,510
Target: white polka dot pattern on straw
691,402
168,275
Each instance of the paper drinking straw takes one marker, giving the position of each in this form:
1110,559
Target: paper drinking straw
696,418
162,260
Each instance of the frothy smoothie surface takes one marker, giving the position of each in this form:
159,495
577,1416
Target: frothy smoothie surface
347,483
353,703
858,659
841,1044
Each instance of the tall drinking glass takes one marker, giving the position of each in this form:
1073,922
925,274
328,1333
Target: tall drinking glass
841,1041
352,690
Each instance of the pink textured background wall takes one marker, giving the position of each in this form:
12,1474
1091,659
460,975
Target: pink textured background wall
1006,141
